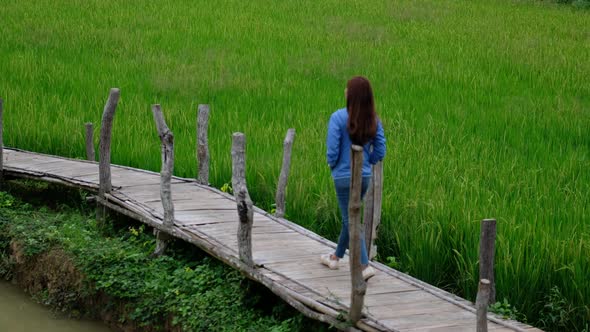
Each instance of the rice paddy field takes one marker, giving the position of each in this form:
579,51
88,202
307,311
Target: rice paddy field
485,104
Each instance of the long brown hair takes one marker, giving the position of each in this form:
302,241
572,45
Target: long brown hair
362,119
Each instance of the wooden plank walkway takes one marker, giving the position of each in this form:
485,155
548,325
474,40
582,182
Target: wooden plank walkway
286,255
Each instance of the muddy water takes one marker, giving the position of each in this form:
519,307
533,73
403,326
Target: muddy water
18,313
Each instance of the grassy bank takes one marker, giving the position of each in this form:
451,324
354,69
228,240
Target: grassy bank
58,255
485,103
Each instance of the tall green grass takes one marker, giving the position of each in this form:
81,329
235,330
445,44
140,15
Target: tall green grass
486,107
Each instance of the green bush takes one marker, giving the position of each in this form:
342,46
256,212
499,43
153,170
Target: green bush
200,295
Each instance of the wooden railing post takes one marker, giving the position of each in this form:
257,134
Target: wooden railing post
1,142
359,286
104,165
244,204
90,154
481,304
202,144
282,185
167,146
372,211
487,248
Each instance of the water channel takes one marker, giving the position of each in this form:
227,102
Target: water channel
18,313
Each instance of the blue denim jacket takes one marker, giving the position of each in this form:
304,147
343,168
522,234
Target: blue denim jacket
339,145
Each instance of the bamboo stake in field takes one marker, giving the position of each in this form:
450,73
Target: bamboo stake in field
372,211
1,142
167,144
90,154
282,186
359,286
104,165
487,247
244,204
481,304
202,144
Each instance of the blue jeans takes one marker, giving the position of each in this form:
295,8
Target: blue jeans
343,194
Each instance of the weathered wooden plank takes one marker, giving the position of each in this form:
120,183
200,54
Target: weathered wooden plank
49,178
289,283
24,159
445,318
72,172
58,165
127,178
269,241
38,164
20,156
410,295
467,327
65,169
275,247
187,200
290,259
139,189
177,188
318,272
201,217
18,161
193,205
265,256
394,310
272,230
191,220
178,194
287,268
276,250
342,290
229,227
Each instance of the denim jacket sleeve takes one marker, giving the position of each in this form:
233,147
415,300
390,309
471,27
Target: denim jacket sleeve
378,145
333,141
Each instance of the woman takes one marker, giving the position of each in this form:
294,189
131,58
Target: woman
356,124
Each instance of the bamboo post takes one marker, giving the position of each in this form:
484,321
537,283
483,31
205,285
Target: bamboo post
244,204
487,247
167,139
167,146
282,186
368,213
90,154
202,145
104,165
481,304
372,212
359,286
1,142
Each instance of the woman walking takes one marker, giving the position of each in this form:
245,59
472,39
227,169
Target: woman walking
356,124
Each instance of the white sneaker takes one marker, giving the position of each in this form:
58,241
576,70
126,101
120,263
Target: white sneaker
368,273
329,262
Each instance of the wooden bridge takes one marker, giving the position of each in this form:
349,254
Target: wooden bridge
269,249
286,256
